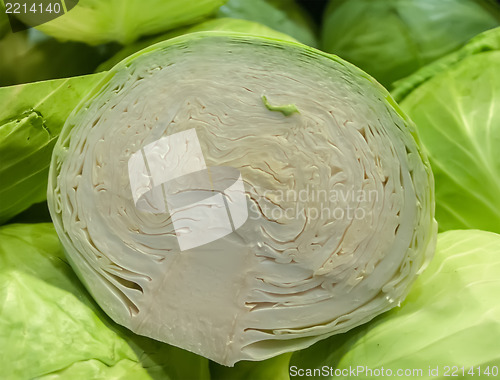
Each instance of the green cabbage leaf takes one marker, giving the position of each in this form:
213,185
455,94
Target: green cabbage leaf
455,103
31,118
393,38
54,330
284,16
100,21
451,317
4,21
31,56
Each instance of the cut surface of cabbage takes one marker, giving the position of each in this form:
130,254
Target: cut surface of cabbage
298,269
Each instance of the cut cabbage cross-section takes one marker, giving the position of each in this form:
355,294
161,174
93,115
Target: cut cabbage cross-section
339,196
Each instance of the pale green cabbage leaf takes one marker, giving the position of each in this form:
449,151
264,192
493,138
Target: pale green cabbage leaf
51,328
100,21
31,118
456,106
451,317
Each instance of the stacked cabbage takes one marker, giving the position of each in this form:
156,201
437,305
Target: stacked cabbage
291,120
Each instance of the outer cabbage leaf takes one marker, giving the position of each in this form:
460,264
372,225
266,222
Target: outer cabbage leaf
450,318
485,42
220,24
31,117
285,16
100,21
31,56
392,39
53,329
456,106
289,118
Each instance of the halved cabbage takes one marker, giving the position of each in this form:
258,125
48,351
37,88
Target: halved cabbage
218,24
303,134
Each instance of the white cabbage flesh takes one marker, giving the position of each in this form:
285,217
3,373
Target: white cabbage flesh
283,280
